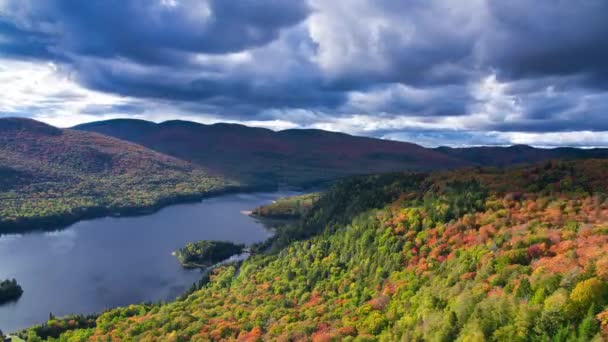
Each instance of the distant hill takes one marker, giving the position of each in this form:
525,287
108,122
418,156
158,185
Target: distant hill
55,176
51,176
260,156
263,157
518,154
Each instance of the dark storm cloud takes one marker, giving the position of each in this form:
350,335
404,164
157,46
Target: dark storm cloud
237,95
148,49
448,100
252,59
541,38
554,104
560,113
20,43
412,42
155,32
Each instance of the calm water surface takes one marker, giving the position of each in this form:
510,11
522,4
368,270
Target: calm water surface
109,262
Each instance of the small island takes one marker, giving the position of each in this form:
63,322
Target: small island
205,253
9,291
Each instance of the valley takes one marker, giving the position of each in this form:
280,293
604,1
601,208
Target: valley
473,254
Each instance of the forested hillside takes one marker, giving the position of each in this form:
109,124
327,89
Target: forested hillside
470,255
287,208
50,176
302,157
261,157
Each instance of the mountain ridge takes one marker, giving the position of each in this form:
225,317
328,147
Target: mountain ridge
305,156
262,156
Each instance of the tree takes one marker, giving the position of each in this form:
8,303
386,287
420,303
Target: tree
589,326
524,290
585,294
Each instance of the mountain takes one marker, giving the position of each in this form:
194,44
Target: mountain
51,176
518,154
54,176
262,157
477,254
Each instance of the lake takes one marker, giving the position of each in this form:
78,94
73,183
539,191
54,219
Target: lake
115,261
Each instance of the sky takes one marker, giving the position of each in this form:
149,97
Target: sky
433,72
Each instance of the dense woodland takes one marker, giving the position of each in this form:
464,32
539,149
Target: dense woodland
50,177
205,253
307,157
10,290
293,207
264,158
471,255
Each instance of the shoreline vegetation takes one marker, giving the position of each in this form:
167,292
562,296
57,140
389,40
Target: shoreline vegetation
287,208
278,216
10,291
58,222
206,253
55,326
288,219
215,253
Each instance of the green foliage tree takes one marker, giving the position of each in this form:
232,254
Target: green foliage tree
587,293
9,290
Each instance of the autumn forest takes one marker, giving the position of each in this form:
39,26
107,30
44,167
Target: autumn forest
516,254
303,171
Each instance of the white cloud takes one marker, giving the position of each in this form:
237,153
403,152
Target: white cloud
381,99
352,39
399,40
585,139
369,124
435,138
169,3
45,92
493,104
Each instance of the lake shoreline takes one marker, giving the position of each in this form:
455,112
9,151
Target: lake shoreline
54,223
103,265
